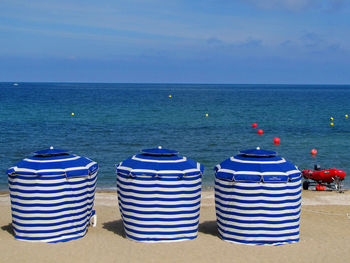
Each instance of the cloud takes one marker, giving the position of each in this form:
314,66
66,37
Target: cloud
298,5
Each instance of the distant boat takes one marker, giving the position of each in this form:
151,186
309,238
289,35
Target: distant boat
15,84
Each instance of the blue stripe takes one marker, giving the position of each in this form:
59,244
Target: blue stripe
258,235
49,217
160,219
160,239
159,192
52,211
160,233
171,199
257,207
158,185
260,242
54,197
257,228
160,206
33,224
234,220
52,230
53,204
160,212
271,194
35,191
168,179
257,214
83,232
262,201
64,183
238,186
161,226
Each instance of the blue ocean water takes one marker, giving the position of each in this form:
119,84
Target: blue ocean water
114,121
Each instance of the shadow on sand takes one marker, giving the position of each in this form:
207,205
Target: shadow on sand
115,226
8,228
209,228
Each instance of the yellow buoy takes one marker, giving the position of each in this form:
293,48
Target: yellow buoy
331,118
72,113
332,123
346,116
170,96
206,115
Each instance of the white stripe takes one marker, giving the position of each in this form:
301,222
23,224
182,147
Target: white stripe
51,161
257,204
233,159
191,235
50,208
237,191
54,170
43,228
257,218
129,169
253,224
184,202
257,184
258,211
50,195
273,239
184,159
67,187
65,213
259,232
53,221
164,230
161,223
138,180
160,189
52,234
163,196
54,239
160,215
141,210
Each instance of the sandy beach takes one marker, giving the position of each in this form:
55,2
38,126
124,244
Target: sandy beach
325,235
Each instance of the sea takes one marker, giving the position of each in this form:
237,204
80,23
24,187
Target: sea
205,122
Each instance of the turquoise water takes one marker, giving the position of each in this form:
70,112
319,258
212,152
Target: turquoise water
115,121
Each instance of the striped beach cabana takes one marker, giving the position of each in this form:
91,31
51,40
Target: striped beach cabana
159,195
52,196
258,199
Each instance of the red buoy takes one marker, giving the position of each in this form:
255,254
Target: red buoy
313,151
260,131
320,187
276,140
254,125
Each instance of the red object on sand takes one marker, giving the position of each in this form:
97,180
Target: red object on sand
254,125
324,176
260,131
320,187
276,140
313,151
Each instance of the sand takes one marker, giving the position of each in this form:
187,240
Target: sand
325,237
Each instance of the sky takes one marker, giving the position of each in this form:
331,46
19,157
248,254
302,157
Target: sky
178,41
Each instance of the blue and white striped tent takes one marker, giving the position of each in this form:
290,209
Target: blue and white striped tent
159,195
258,199
52,196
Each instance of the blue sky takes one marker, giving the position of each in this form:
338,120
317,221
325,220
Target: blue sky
207,41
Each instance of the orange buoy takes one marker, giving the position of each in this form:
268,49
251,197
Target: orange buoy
313,151
260,131
254,125
276,141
